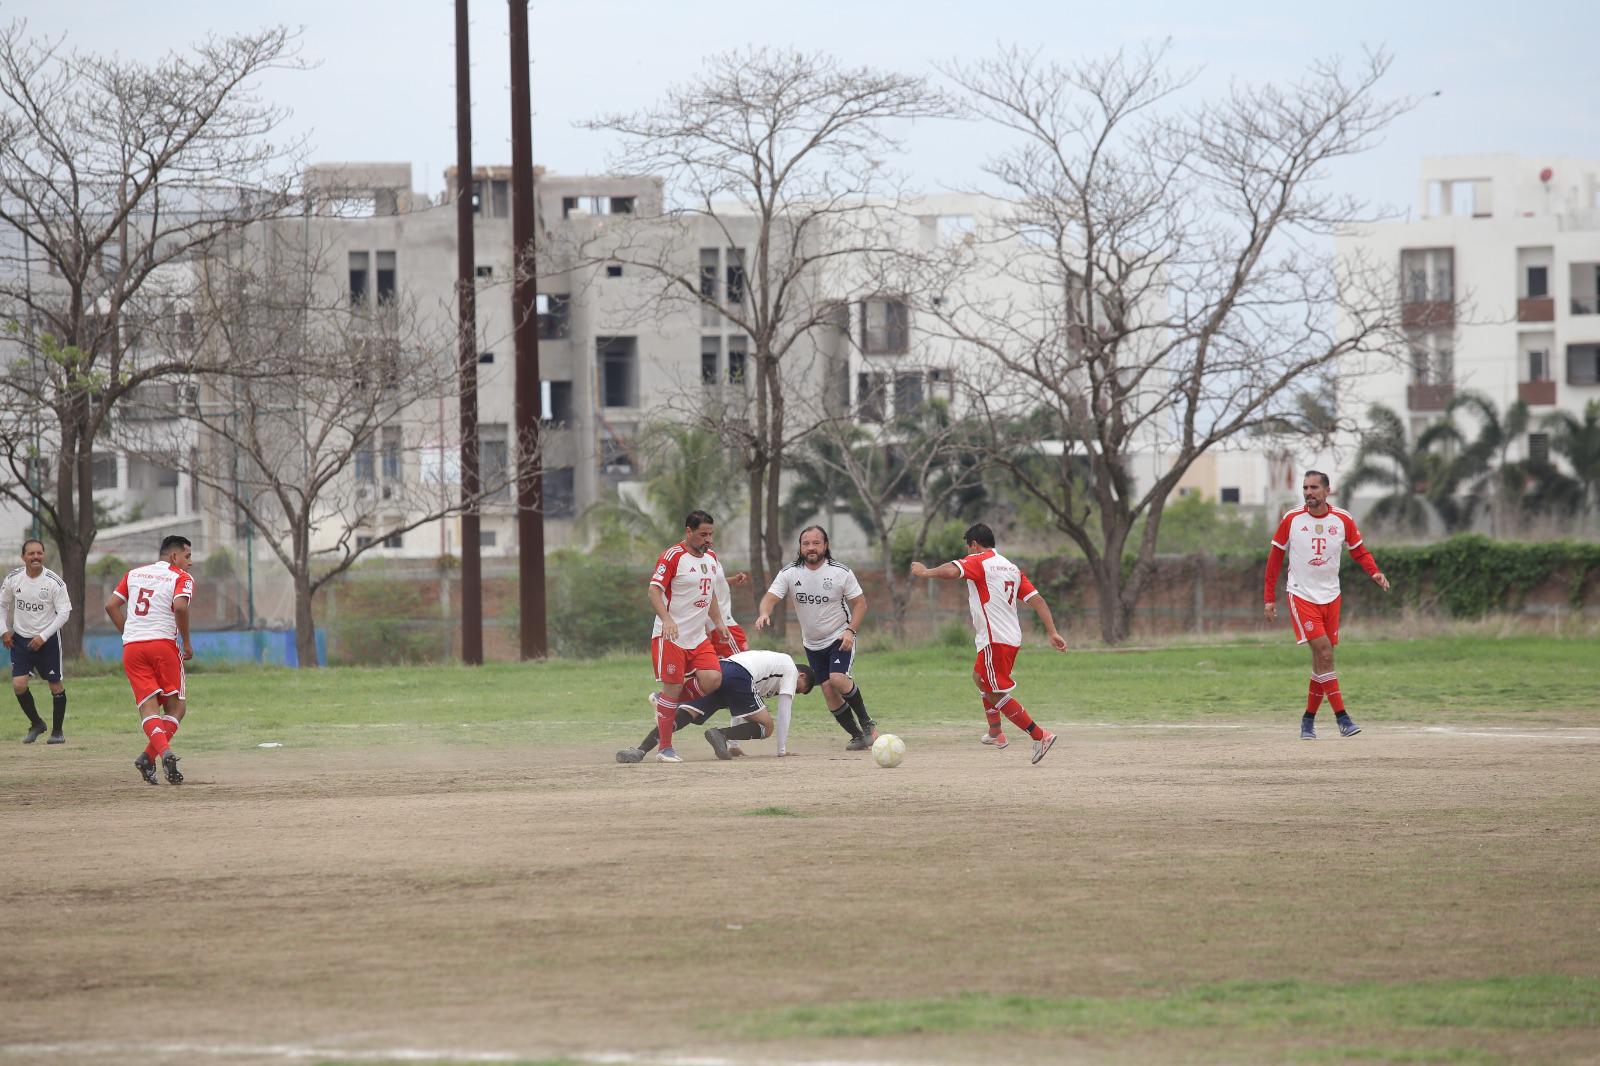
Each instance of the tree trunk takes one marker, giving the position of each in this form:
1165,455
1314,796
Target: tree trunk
305,625
73,566
1114,615
897,613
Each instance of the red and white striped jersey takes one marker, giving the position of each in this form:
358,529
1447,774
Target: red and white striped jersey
995,585
687,582
1313,545
149,591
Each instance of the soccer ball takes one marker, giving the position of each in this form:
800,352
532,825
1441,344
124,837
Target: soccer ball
888,750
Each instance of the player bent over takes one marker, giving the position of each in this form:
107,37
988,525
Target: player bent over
683,598
1312,536
150,608
33,607
748,679
830,605
994,584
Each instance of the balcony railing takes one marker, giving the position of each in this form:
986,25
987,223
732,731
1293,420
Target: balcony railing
1536,309
1537,393
1428,314
1429,397
1585,307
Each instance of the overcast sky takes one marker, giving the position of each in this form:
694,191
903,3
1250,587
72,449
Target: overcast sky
1510,79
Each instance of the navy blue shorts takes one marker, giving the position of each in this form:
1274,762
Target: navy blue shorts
830,660
734,693
46,662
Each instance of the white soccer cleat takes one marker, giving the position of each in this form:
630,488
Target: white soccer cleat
997,742
668,755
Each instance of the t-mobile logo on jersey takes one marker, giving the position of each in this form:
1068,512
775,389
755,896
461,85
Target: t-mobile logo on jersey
1319,545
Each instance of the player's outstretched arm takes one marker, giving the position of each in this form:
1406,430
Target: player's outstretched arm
769,603
1042,609
944,571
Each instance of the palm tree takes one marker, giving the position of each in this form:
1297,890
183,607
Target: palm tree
1578,442
1502,485
1420,478
686,468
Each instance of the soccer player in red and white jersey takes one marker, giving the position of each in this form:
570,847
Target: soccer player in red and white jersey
683,596
994,585
150,608
1312,536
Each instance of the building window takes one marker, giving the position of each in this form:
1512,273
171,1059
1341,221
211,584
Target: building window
1538,282
393,540
619,371
1539,448
1428,274
738,358
555,316
362,542
869,396
708,274
885,326
358,277
391,453
1433,359
710,360
500,192
1230,495
366,470
555,402
494,460
387,277
103,472
560,498
736,275
485,357
596,205
907,394
616,452
1583,364
613,270
486,538
484,272
1539,364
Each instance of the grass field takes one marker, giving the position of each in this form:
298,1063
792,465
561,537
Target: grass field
446,865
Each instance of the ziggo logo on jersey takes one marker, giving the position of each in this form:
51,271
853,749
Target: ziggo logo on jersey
812,600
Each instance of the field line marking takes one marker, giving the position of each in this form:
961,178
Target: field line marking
299,1052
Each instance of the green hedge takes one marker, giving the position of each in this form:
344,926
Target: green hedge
1470,575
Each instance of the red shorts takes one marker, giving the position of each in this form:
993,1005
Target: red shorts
740,643
1313,620
673,663
993,668
154,668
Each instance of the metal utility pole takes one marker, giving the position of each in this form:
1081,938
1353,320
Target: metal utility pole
525,309
467,356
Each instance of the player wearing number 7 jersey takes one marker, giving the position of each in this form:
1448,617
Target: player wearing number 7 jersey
150,608
994,586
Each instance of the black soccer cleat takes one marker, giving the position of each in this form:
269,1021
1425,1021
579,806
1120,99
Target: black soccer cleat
859,742
719,743
146,768
169,763
34,733
56,738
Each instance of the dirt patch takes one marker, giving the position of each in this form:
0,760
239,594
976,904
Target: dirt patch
545,902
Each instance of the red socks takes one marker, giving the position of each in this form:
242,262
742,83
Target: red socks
159,729
1018,714
666,718
1330,689
989,712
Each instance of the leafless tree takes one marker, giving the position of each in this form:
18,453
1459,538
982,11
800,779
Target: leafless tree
114,174
1163,282
318,424
774,158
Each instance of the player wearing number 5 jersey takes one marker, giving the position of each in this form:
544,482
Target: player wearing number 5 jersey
994,586
150,608
1312,537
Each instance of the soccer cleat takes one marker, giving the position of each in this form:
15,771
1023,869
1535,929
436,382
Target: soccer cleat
169,763
146,768
1308,729
56,738
719,743
630,755
859,742
668,755
1042,746
871,732
1347,726
34,733
997,741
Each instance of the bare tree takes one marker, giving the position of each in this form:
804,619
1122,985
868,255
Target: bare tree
774,158
113,174
1170,281
319,423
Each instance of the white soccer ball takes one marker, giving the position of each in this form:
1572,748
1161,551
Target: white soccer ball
888,750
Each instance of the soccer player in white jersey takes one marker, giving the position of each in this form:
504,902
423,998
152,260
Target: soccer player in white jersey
830,605
682,595
1312,536
748,679
150,608
994,585
33,607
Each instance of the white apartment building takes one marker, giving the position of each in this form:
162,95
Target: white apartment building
1499,267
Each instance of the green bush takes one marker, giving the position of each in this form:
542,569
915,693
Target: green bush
1470,575
595,605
